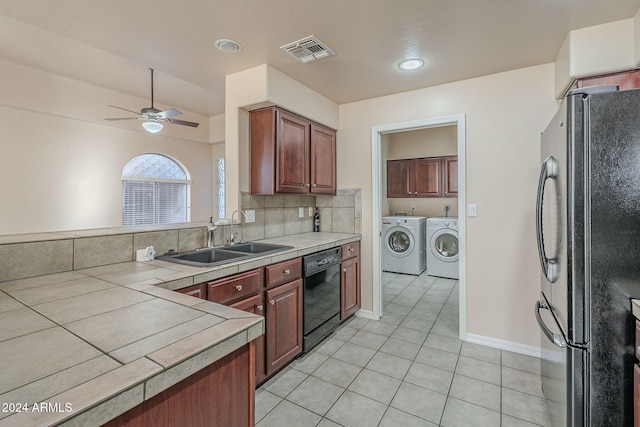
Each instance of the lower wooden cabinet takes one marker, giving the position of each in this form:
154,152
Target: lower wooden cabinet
220,395
349,280
283,324
198,291
255,305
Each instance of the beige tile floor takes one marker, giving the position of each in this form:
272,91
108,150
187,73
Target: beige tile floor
408,369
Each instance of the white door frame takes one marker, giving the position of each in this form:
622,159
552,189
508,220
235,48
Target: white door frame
376,204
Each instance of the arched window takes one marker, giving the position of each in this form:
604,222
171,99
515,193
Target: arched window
155,190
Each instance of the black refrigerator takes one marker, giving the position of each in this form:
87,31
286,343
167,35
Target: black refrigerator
588,232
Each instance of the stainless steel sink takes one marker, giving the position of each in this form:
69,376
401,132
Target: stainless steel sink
211,257
256,248
204,257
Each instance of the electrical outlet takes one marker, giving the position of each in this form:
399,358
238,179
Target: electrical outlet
250,215
301,212
473,209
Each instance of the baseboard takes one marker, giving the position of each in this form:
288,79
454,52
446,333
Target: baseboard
367,314
504,345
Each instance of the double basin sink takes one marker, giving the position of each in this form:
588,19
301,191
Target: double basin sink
211,257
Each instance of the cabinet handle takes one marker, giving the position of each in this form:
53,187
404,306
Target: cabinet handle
287,272
272,302
314,185
415,193
238,288
260,307
344,270
409,193
308,185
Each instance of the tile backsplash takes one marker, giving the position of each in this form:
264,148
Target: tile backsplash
278,215
47,253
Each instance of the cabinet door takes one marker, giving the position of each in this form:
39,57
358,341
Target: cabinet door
399,177
450,176
284,324
349,287
292,151
323,160
427,176
198,291
255,305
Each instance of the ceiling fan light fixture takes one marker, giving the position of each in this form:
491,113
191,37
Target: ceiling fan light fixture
411,64
152,126
228,46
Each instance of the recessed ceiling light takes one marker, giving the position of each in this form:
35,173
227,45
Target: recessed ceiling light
228,46
411,64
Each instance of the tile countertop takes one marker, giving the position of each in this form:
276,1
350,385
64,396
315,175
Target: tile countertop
81,347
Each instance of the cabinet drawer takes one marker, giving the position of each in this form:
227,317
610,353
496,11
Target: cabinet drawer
235,287
198,291
283,272
350,250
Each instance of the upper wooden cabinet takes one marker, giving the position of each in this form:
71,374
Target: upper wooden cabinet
450,176
290,154
423,177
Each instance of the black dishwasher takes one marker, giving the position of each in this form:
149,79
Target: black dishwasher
321,296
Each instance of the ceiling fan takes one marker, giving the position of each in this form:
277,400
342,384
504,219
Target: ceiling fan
153,118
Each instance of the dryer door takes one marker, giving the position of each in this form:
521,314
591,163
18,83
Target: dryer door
444,245
399,241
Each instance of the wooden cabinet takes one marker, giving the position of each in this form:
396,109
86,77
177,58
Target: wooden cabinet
198,291
275,292
235,287
284,324
255,305
450,176
290,155
198,401
422,177
349,280
625,80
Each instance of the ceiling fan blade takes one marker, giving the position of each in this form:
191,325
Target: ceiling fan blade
169,113
122,118
183,123
120,108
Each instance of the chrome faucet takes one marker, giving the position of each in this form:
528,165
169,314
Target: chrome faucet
211,227
234,235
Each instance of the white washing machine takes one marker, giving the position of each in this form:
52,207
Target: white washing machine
442,251
404,244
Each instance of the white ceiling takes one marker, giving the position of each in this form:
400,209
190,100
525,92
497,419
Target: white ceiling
113,42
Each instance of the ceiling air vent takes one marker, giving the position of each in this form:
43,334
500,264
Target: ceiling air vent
307,49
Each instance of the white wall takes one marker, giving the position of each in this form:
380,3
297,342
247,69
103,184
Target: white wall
505,114
597,50
61,162
260,86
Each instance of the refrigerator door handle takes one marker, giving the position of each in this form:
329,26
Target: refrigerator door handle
549,170
556,339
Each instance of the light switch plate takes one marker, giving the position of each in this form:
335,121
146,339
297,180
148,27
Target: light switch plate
250,215
473,209
301,212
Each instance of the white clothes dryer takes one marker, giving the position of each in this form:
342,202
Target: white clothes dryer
442,252
404,244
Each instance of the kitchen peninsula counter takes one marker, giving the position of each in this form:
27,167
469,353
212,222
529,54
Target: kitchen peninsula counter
82,347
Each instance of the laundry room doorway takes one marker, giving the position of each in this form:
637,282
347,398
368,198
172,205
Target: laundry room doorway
408,141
